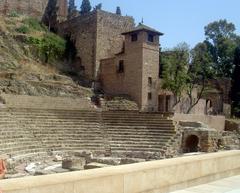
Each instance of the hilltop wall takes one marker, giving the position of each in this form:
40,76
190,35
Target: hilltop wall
35,8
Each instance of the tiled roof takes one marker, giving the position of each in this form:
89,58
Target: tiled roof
142,27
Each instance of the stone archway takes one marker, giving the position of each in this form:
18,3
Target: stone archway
191,144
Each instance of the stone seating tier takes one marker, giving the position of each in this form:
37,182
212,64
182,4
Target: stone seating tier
129,133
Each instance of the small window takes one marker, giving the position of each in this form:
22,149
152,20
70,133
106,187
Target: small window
150,38
120,66
134,37
149,96
149,81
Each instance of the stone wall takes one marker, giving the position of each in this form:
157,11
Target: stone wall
197,137
35,8
216,122
29,7
109,40
97,36
156,176
82,32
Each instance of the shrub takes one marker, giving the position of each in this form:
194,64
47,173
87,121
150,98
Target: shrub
50,46
23,29
34,24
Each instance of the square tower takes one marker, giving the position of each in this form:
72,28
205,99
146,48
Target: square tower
142,55
135,70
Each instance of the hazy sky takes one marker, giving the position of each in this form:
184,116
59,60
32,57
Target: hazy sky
179,20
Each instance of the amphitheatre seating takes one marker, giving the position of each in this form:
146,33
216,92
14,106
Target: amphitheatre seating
35,130
62,130
136,134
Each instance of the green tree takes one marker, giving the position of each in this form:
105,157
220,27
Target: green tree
222,41
118,11
175,67
235,92
50,15
200,70
220,29
85,7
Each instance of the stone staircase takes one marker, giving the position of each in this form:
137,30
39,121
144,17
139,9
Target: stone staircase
110,133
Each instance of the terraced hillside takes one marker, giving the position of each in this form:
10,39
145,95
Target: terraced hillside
23,67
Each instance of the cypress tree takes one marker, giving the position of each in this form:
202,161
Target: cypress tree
71,6
85,7
50,15
235,93
118,11
99,6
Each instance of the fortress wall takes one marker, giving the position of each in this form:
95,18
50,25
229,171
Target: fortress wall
109,39
97,36
82,30
34,8
156,176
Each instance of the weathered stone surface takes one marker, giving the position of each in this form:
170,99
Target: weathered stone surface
34,8
74,163
198,137
232,125
191,124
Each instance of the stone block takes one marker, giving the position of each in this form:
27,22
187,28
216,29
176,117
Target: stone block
76,163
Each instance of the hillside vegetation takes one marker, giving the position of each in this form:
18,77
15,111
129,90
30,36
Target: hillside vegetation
31,60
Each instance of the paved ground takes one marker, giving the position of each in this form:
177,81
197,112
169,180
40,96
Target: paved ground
227,185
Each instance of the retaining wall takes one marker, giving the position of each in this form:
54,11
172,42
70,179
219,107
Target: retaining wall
215,122
148,177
